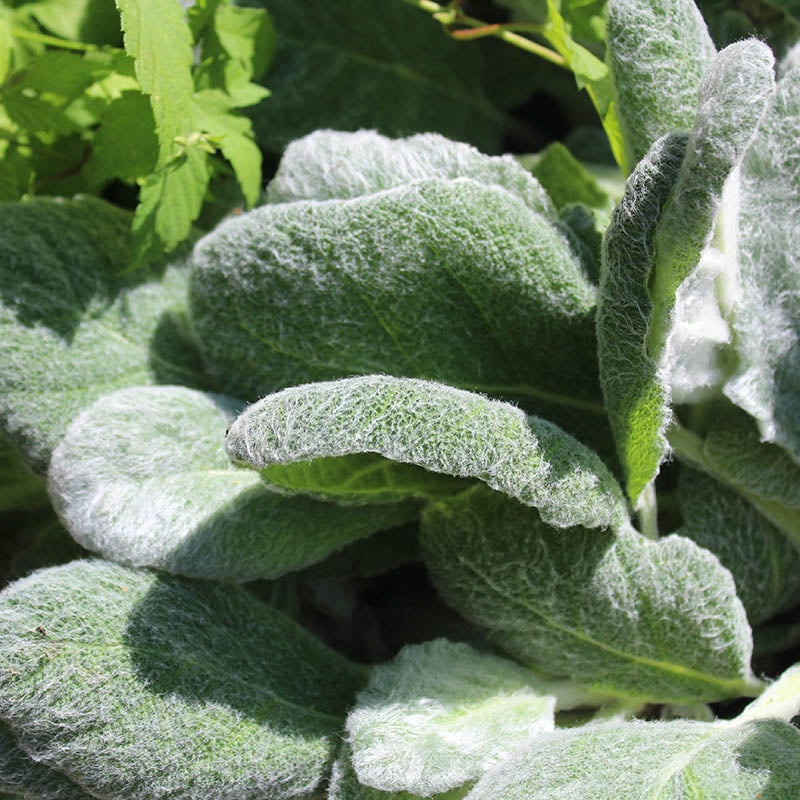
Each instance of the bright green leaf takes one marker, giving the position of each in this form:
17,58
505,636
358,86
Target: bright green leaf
440,714
660,760
657,51
170,200
142,478
71,327
763,562
616,612
114,676
766,316
213,114
247,36
420,424
158,38
90,21
125,144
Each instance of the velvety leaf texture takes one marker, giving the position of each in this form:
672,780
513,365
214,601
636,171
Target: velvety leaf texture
140,686
449,280
763,562
659,760
331,165
781,699
657,621
732,100
636,398
348,66
142,478
439,715
423,424
20,773
658,51
72,328
766,318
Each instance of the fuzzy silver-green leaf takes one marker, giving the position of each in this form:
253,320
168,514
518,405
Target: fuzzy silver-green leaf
146,687
615,612
142,478
73,326
334,439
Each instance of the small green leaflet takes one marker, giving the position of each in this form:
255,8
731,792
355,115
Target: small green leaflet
420,424
113,675
615,612
158,38
142,478
657,51
439,715
659,760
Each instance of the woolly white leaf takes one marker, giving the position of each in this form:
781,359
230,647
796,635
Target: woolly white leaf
439,715
330,165
72,327
621,614
440,279
660,760
763,562
142,478
423,424
658,51
781,700
149,687
766,319
732,100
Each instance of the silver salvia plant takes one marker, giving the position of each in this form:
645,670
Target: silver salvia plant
601,476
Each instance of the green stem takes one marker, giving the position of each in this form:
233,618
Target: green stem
52,41
648,513
449,16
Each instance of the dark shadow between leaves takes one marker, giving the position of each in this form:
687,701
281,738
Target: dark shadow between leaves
174,353
215,644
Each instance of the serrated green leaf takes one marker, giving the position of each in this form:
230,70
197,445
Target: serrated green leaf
158,38
169,201
142,478
440,714
20,773
212,112
366,163
420,424
732,99
766,316
71,327
761,559
660,760
449,280
112,676
636,400
347,66
657,52
616,612
125,144
247,36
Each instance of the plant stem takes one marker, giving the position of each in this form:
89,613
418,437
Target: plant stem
648,513
52,41
448,16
